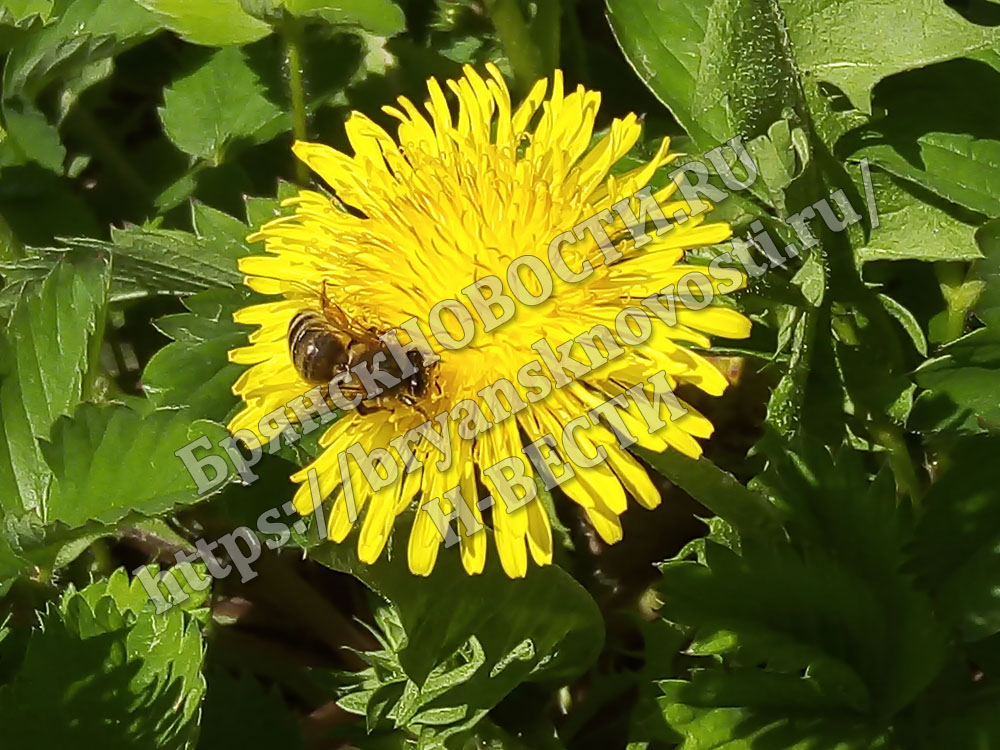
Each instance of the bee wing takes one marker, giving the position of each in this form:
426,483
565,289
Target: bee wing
344,322
339,319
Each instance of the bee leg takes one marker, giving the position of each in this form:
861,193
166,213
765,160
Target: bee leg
368,407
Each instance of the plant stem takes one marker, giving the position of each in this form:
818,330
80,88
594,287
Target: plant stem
545,30
292,32
883,431
890,437
959,296
290,593
515,36
749,512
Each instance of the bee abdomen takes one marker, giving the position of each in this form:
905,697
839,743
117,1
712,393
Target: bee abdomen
315,351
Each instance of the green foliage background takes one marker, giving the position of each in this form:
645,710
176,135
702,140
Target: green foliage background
827,577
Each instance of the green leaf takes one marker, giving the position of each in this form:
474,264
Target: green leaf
966,375
169,261
24,476
955,165
836,42
241,713
218,23
957,542
110,461
261,210
987,270
750,710
449,701
825,627
14,12
52,332
952,148
221,101
12,565
723,68
547,606
915,224
194,370
119,677
82,31
381,17
30,137
871,358
907,320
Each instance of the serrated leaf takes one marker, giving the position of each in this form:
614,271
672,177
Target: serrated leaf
110,461
52,330
82,31
50,340
951,149
967,374
261,210
955,165
723,68
836,43
194,370
12,565
30,137
726,68
239,712
548,607
915,225
381,17
956,549
15,12
707,722
219,227
24,475
218,23
169,261
832,600
119,678
220,101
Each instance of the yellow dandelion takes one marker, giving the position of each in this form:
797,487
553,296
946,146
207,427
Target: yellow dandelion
423,226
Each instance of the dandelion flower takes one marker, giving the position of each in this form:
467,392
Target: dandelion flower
457,195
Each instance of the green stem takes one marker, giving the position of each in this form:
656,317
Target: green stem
959,296
578,49
515,36
883,431
890,437
750,513
290,593
292,31
545,30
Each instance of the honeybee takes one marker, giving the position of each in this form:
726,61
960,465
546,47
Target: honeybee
324,344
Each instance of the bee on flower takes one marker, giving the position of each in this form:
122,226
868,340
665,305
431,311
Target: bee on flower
483,290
